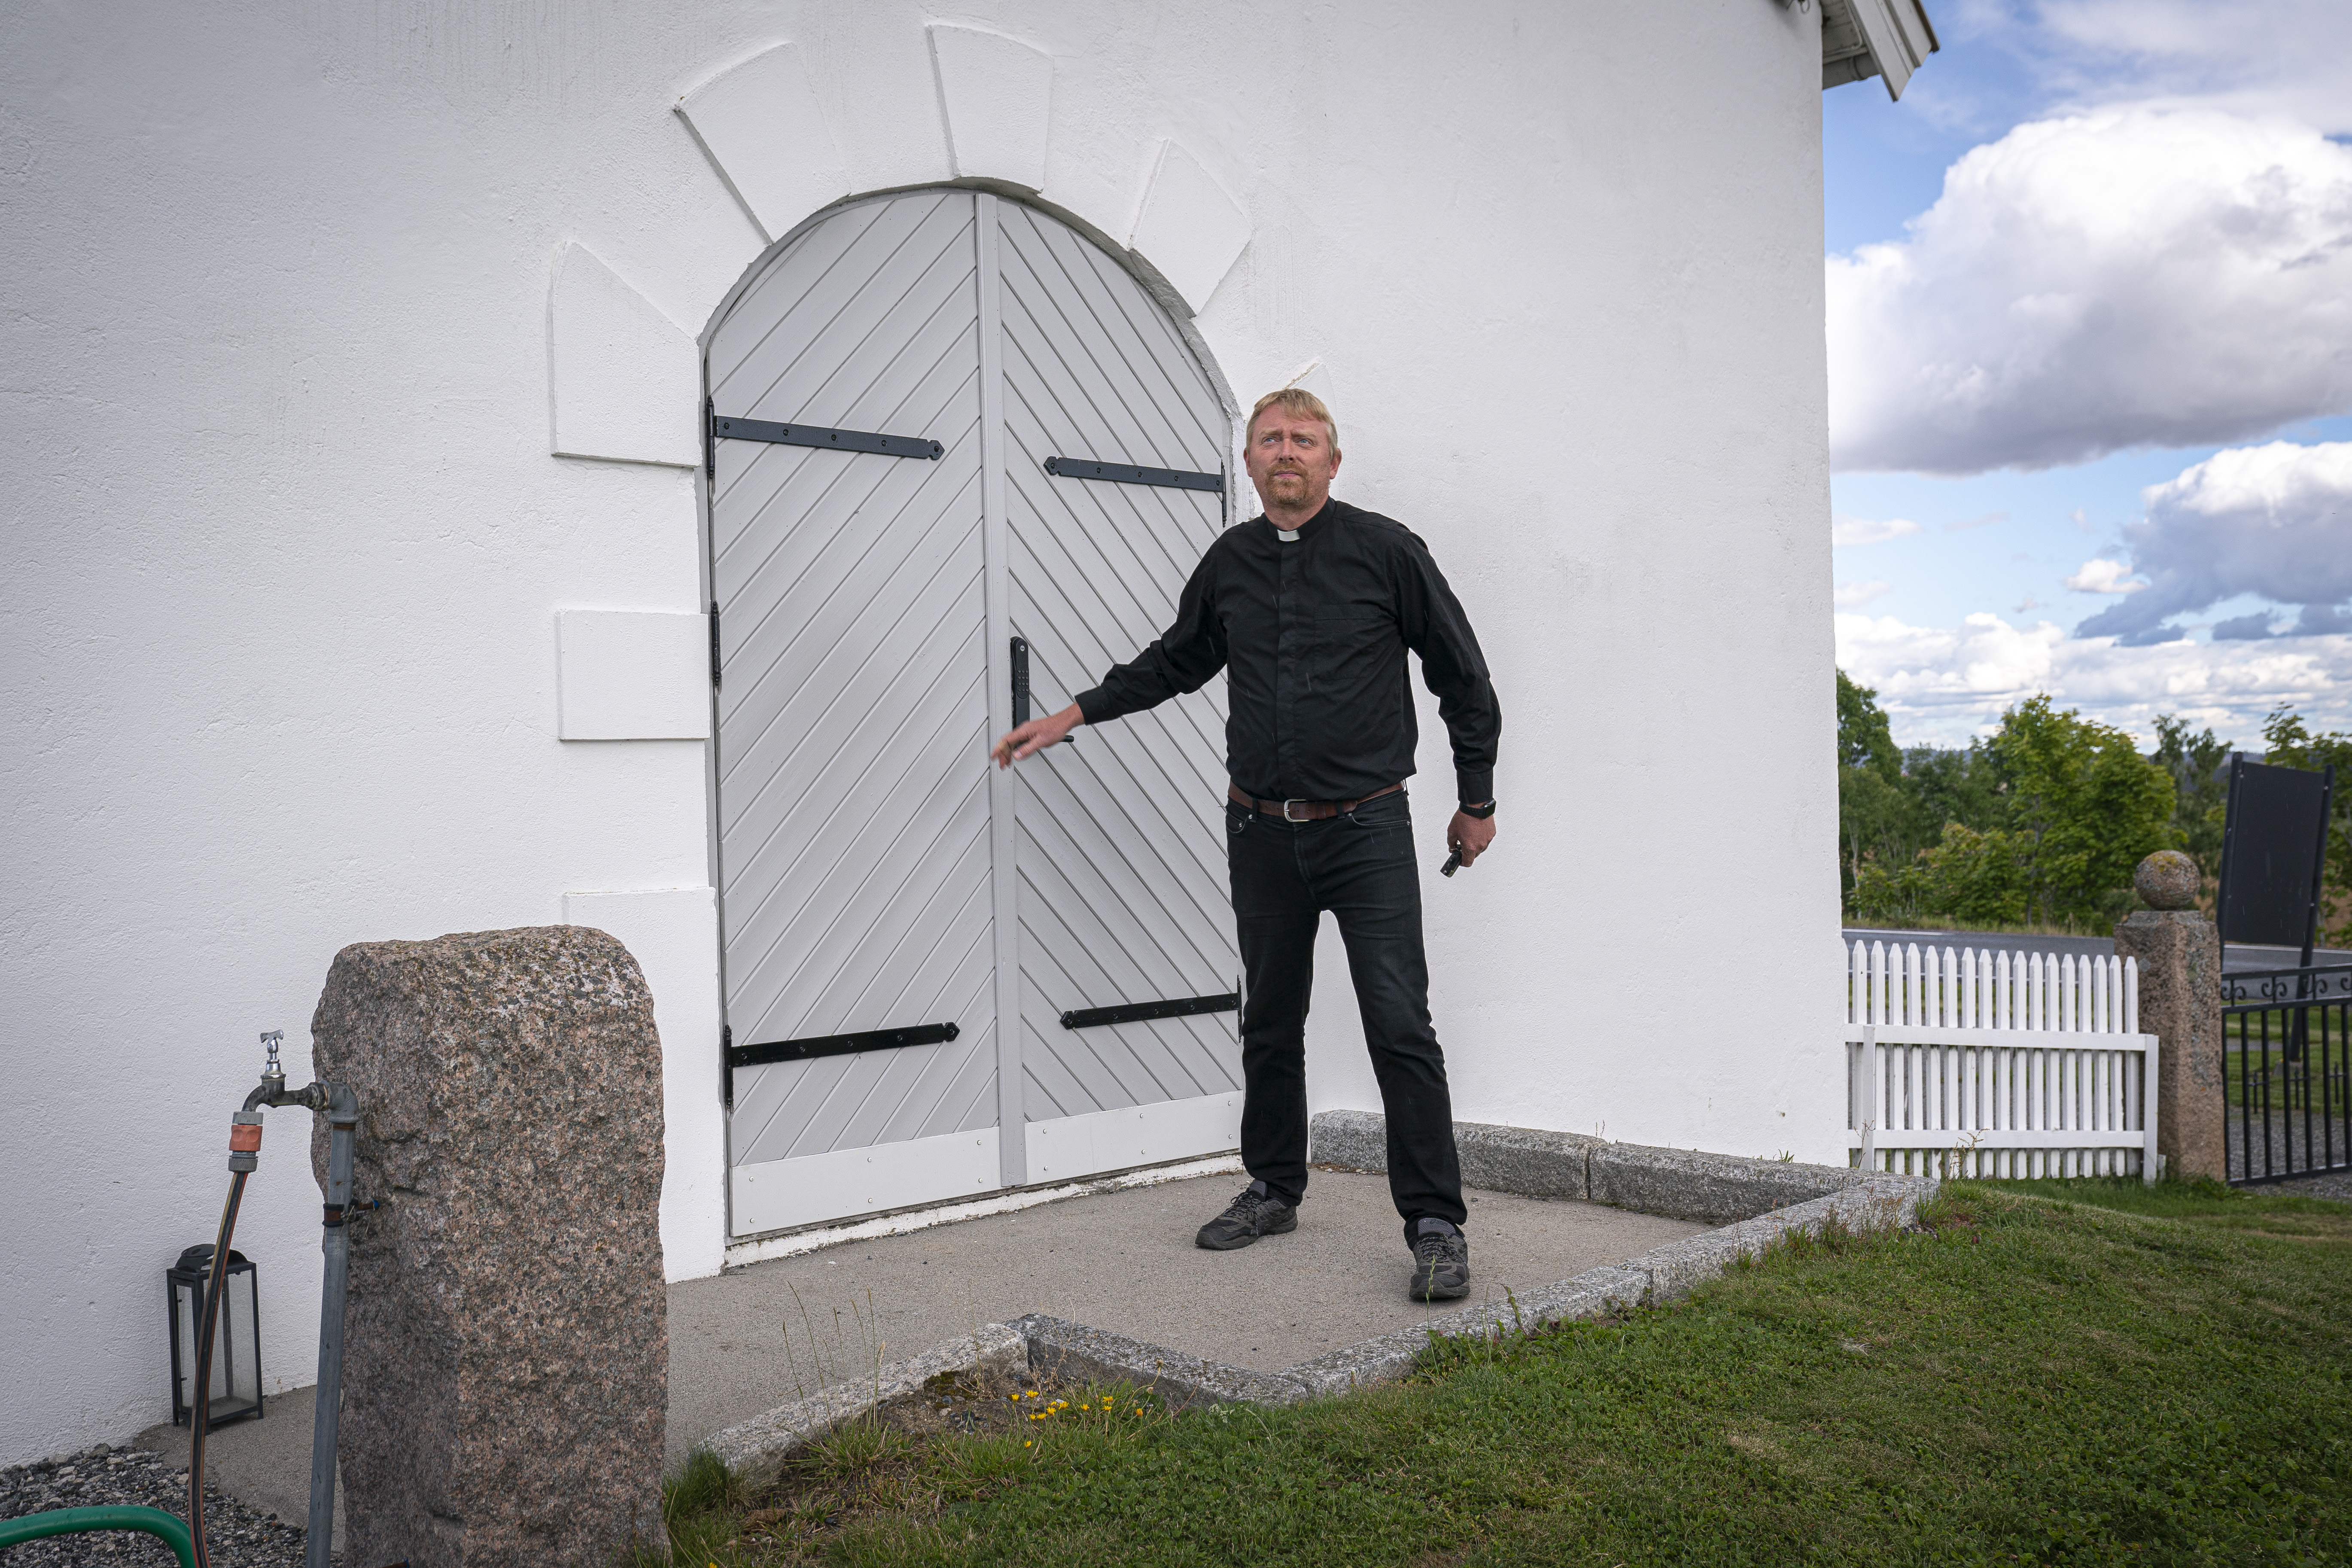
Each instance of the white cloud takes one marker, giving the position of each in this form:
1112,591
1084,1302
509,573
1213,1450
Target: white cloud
2097,281
1944,685
1864,531
2290,56
1848,594
2273,521
2099,576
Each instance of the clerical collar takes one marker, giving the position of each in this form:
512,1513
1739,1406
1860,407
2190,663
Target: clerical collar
1293,535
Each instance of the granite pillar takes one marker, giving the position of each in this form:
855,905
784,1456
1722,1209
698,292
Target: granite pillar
506,1375
2179,955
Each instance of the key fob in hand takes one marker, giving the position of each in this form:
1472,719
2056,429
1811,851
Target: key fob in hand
1452,864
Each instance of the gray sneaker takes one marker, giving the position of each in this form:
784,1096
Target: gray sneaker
1440,1263
1254,1214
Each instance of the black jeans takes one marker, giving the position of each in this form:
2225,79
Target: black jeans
1358,866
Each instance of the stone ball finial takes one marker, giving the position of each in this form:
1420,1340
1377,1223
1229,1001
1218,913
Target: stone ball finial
2169,880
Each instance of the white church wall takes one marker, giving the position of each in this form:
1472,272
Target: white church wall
289,357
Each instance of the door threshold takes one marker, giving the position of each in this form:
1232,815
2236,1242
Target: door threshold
792,1242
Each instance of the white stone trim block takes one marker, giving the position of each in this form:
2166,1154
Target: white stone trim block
777,1194
631,675
1074,1146
760,125
624,380
996,96
673,933
1188,226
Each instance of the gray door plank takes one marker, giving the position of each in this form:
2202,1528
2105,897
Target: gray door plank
853,809
1122,887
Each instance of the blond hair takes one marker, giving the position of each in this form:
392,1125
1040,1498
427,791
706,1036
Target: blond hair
1298,400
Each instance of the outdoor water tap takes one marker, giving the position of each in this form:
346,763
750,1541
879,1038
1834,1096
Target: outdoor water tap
273,1077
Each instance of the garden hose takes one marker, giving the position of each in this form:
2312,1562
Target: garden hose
170,1528
243,1154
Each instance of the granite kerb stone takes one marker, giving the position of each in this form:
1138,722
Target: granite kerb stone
1676,1183
756,1449
1076,1353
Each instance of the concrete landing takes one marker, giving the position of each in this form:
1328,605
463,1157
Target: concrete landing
1123,1261
751,1338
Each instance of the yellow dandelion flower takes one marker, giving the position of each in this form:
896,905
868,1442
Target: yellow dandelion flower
1024,1444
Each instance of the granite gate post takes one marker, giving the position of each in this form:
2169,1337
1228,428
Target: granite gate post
506,1375
2179,955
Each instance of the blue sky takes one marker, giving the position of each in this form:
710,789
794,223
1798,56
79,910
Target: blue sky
2142,259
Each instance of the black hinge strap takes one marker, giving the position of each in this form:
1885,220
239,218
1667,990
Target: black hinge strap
731,429
714,645
1128,474
838,1045
1144,1012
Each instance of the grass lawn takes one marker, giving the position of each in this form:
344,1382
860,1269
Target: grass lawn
2056,1371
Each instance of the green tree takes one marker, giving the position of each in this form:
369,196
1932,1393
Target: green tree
2200,788
1865,740
1876,813
1956,784
1968,878
2090,805
2293,745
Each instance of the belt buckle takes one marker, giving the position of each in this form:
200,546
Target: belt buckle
1285,812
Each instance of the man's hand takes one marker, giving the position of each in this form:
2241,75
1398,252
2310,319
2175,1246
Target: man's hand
1039,733
1469,836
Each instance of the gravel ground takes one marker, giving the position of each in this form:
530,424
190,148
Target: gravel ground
240,1536
2336,1184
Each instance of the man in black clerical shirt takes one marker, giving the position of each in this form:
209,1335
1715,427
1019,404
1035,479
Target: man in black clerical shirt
1308,609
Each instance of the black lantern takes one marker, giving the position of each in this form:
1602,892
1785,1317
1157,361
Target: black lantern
237,1339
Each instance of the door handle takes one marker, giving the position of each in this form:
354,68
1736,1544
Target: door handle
1020,685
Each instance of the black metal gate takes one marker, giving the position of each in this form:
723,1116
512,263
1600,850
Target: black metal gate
2286,1071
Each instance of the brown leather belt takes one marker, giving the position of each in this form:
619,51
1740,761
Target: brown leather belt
1306,810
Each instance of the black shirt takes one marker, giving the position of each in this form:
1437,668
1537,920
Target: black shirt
1311,633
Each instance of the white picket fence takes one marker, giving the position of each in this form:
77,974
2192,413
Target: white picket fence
1972,1063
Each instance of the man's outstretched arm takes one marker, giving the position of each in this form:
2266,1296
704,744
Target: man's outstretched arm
1180,659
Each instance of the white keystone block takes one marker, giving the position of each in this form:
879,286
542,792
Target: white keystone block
1188,226
762,128
997,94
631,675
624,381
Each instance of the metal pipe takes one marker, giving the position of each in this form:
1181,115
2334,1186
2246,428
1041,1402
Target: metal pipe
343,1122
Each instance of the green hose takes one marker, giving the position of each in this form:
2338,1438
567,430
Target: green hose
74,1520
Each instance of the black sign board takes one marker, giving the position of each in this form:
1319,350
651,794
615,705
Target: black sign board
2272,849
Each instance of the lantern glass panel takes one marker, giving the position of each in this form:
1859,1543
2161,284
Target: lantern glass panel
237,1339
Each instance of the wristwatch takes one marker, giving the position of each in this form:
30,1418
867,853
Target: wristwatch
1482,810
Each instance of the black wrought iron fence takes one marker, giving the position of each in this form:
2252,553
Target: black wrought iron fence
2286,1071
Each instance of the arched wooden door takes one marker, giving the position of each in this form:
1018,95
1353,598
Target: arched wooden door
958,453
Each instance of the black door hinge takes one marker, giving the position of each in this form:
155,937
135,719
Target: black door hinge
1130,474
714,645
710,444
726,1066
730,427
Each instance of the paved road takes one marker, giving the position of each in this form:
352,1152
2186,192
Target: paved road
2232,958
